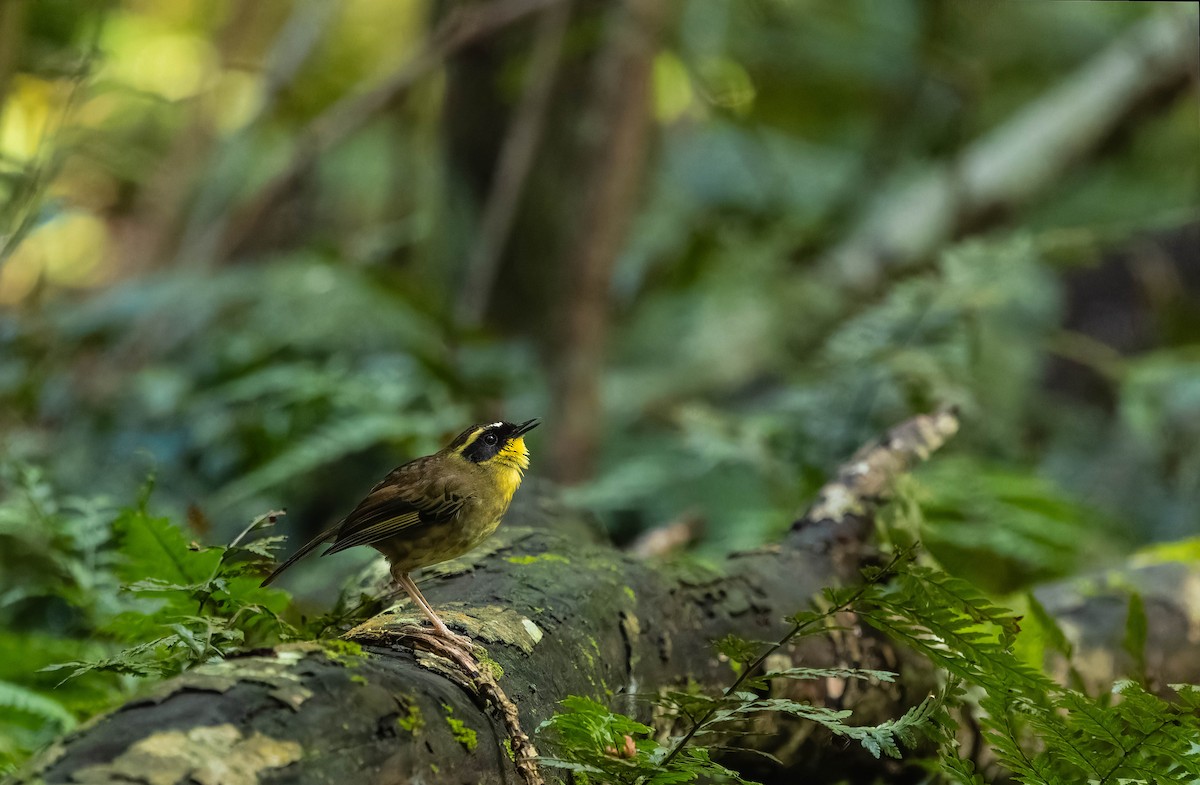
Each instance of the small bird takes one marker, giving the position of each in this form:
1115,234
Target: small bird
434,508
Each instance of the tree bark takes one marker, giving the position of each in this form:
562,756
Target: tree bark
514,163
618,121
562,615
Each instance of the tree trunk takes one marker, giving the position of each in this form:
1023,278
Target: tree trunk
561,615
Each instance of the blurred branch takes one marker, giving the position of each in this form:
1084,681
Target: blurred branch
209,214
295,42
841,518
1022,157
463,26
20,212
619,116
891,134
516,158
668,539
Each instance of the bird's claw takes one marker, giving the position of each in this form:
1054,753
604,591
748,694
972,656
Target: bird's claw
444,636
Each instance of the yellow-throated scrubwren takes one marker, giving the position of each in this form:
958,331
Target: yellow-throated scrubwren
435,508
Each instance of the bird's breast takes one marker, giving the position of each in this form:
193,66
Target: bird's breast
507,482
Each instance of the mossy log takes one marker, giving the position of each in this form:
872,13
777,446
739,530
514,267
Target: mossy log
559,614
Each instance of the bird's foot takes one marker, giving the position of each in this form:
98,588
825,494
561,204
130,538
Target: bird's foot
435,639
460,641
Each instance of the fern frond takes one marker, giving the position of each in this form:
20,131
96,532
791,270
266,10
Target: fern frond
949,621
14,697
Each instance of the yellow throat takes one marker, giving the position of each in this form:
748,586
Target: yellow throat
511,463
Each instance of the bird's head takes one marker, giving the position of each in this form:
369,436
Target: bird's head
497,444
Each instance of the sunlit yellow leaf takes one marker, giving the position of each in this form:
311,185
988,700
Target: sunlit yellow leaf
66,251
144,55
672,87
28,115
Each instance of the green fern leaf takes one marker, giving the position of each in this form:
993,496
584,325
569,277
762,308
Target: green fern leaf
155,549
14,697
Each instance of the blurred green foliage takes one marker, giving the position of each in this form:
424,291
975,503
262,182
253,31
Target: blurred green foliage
328,352
57,586
93,596
159,314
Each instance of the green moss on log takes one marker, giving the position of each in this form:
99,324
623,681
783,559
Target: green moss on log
534,559
343,652
412,722
459,730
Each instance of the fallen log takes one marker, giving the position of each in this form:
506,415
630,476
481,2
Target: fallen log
559,614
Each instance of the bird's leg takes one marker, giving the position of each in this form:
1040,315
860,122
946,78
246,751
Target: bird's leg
410,587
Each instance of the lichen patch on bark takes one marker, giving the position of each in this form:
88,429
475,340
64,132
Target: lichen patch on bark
208,755
486,623
531,628
277,672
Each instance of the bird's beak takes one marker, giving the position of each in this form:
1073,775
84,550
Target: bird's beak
527,426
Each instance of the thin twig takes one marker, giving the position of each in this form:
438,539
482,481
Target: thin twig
24,204
471,674
515,161
267,518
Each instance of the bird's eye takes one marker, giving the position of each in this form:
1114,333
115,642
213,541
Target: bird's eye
489,438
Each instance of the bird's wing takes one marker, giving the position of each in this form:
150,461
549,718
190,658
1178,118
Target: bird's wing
404,499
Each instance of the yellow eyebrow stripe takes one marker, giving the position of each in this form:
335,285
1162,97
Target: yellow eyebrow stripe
469,440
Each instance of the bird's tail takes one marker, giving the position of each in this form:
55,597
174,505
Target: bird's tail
300,554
